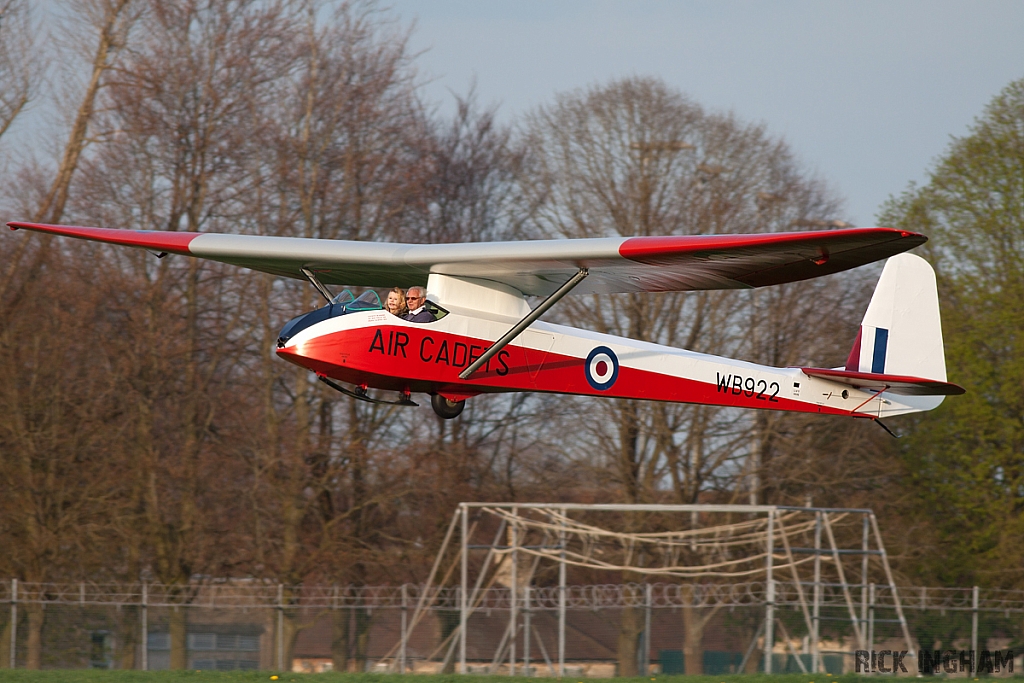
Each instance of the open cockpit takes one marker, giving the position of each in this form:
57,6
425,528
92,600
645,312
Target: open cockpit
340,304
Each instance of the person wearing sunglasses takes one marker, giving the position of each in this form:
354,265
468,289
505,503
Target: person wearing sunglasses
416,299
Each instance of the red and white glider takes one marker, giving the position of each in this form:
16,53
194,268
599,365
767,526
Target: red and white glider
487,338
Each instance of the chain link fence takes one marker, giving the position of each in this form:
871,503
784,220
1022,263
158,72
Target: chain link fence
608,629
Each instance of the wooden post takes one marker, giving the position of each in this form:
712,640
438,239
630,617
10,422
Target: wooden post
769,608
280,627
405,627
974,630
14,623
144,619
648,603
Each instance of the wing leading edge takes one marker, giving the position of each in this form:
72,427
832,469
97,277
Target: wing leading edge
535,267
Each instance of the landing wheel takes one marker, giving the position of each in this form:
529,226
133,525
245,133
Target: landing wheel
446,408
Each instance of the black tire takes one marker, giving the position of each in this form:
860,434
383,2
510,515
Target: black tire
445,408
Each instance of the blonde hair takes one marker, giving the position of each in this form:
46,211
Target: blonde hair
402,307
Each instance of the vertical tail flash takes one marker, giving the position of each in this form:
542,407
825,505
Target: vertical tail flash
898,349
901,333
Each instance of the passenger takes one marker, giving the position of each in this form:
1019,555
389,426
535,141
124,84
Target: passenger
396,303
416,299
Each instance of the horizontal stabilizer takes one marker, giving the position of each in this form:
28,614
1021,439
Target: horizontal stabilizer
894,384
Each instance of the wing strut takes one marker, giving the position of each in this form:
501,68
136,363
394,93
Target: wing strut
316,283
524,323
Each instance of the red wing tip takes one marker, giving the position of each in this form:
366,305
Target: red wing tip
902,233
159,240
18,225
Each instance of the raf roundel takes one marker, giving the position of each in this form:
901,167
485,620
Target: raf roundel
602,368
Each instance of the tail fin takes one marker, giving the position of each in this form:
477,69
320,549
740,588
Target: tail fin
901,333
898,349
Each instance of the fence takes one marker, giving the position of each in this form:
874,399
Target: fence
238,624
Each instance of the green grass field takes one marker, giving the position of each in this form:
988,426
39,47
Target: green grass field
93,676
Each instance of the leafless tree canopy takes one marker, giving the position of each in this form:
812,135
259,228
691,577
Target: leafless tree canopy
19,65
636,158
147,431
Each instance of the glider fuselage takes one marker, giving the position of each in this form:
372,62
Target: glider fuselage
375,349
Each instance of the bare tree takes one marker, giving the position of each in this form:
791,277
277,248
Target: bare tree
469,189
44,479
636,158
20,66
110,22
341,161
183,116
249,117
62,493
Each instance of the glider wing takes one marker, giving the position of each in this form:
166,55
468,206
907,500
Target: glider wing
536,267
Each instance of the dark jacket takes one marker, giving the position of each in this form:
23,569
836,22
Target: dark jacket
423,316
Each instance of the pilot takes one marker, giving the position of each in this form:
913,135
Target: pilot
395,304
416,299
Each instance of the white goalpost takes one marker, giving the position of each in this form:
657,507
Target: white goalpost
765,555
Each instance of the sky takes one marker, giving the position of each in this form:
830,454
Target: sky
866,93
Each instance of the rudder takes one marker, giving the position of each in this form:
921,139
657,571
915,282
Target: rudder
901,333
